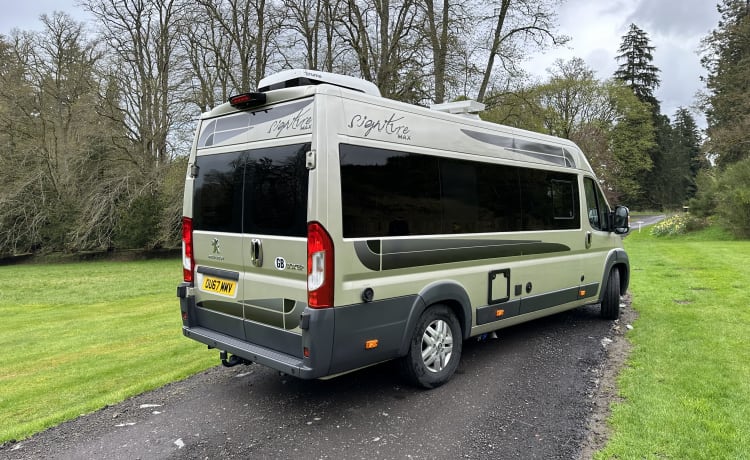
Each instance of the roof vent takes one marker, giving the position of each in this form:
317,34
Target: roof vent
467,108
303,77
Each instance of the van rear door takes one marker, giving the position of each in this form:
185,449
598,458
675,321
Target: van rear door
274,233
218,242
250,220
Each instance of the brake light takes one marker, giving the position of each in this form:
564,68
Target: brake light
188,261
319,267
247,100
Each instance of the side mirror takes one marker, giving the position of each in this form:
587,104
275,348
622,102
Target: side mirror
621,220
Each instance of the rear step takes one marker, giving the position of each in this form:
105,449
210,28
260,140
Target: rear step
276,360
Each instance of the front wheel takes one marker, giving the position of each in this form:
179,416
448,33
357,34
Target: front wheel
434,349
610,308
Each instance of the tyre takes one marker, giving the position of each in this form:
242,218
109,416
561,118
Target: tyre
434,348
610,308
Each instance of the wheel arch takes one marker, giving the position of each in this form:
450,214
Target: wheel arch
617,260
449,293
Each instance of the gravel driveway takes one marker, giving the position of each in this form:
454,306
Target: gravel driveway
539,390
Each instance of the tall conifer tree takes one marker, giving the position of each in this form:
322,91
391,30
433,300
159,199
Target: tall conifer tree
636,68
637,71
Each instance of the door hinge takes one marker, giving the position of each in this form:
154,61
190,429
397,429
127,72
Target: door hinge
310,158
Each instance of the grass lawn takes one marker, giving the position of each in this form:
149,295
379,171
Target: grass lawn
78,336
686,386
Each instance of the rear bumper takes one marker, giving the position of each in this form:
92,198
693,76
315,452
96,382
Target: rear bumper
328,341
274,359
273,347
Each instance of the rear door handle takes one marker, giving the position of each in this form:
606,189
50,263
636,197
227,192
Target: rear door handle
256,252
588,240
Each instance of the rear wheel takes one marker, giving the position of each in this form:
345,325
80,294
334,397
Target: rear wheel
434,349
611,300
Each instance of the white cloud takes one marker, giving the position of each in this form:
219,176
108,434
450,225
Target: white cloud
674,27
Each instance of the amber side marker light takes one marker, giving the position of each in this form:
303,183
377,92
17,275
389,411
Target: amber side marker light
582,293
499,313
370,344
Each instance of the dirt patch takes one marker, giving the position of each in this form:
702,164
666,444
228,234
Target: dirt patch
605,391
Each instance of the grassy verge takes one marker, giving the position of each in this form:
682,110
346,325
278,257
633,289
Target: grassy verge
76,337
686,387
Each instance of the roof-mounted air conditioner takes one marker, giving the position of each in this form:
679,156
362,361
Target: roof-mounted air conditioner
469,108
303,77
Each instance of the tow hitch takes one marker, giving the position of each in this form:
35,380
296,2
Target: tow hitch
232,360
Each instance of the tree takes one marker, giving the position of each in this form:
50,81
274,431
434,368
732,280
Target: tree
605,119
632,139
517,25
49,89
310,30
569,97
638,73
684,158
445,23
250,27
383,37
726,58
636,69
142,39
210,57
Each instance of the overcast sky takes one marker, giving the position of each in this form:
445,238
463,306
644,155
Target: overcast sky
674,27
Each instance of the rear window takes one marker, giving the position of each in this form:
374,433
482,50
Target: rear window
259,191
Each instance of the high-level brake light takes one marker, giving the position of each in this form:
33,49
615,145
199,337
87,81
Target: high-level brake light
247,100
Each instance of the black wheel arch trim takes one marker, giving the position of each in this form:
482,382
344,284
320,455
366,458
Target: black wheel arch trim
617,258
446,292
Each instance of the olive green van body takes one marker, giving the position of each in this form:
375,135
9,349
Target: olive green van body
495,225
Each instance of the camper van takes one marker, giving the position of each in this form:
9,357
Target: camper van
327,229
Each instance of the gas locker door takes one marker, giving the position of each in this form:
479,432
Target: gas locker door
217,240
274,242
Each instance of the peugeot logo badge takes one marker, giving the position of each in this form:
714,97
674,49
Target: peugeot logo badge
216,245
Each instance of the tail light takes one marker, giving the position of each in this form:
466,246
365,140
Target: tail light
319,267
188,261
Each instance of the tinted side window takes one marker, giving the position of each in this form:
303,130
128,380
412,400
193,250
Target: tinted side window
596,206
260,191
549,200
388,193
391,193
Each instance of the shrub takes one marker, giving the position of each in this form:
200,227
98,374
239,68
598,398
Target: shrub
678,224
675,225
704,202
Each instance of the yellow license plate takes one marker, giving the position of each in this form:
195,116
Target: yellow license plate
219,286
